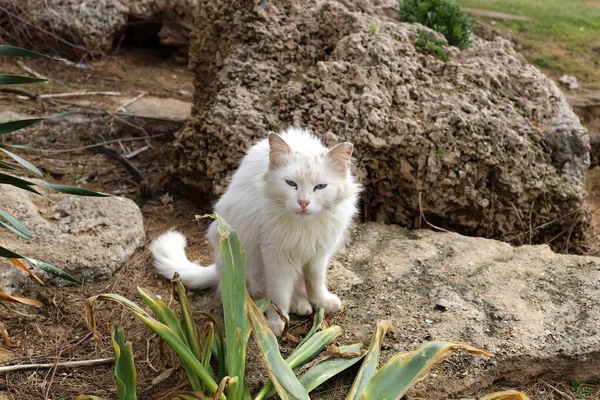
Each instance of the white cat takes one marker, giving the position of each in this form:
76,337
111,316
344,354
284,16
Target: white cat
290,201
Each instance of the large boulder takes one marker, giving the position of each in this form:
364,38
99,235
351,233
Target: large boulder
538,311
88,237
483,144
75,26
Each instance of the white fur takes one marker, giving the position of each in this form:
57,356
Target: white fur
287,250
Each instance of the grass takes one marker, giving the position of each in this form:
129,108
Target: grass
427,42
562,37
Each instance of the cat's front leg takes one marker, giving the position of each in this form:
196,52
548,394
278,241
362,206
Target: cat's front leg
300,303
280,278
315,276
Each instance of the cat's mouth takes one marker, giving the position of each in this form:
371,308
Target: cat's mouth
303,212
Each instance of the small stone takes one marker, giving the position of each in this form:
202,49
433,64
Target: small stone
428,321
569,81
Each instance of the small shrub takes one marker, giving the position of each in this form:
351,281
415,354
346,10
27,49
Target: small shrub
427,42
443,16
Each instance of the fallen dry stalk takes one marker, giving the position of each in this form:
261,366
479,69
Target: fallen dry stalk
78,94
66,364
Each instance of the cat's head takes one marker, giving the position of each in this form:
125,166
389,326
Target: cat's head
304,177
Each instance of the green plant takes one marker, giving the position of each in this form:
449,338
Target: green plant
10,162
581,391
427,42
124,365
373,28
443,16
242,316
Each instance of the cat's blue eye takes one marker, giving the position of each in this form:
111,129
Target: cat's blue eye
321,186
292,183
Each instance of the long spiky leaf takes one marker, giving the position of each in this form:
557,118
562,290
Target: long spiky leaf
18,227
394,379
235,304
370,362
13,51
283,378
125,373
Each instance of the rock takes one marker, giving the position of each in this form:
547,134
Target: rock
89,237
484,144
92,24
164,107
538,311
569,81
178,22
97,25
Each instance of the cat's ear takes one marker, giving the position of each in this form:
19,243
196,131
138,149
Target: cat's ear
278,150
340,156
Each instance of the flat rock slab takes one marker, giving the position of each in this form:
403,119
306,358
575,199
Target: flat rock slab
89,237
538,311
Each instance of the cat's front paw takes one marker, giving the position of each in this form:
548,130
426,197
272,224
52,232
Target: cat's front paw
329,302
301,306
277,327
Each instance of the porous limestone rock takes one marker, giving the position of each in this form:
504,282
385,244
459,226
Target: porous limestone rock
537,311
483,144
88,237
96,25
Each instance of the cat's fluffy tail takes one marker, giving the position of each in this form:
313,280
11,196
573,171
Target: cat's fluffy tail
169,257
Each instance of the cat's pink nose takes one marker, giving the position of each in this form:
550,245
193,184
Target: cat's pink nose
303,203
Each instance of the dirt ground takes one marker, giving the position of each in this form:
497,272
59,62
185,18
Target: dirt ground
57,332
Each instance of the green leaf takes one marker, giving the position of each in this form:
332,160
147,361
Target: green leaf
209,342
281,374
77,191
26,185
11,126
235,304
394,379
124,365
263,304
182,350
13,51
308,349
189,325
29,166
51,269
166,316
317,324
370,362
6,166
20,183
15,226
5,253
329,368
6,79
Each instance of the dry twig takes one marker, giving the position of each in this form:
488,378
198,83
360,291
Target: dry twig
66,364
425,219
78,94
